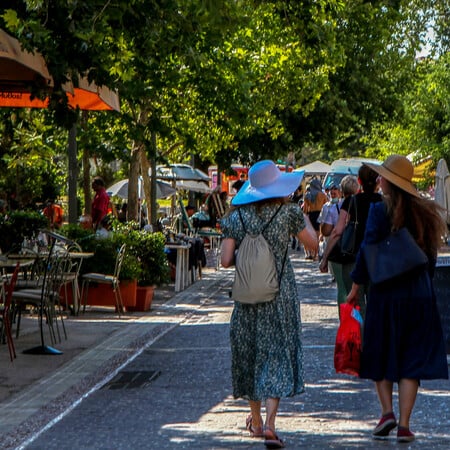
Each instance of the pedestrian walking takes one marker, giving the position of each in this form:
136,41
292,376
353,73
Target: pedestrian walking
313,201
403,339
266,346
354,209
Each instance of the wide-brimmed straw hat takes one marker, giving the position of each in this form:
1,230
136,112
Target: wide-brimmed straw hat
398,170
265,181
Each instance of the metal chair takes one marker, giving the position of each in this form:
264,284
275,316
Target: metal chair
111,279
6,313
47,297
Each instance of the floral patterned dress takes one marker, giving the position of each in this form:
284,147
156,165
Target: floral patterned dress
266,346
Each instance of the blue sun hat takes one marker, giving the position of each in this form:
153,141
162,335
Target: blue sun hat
265,181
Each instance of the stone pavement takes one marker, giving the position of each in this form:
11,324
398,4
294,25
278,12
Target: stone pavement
182,348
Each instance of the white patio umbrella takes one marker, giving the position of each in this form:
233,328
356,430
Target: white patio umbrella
192,185
442,188
120,189
180,172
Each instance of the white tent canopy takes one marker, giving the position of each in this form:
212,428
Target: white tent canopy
315,168
442,188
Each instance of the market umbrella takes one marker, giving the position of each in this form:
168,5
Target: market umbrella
120,189
442,188
193,185
180,172
87,97
20,70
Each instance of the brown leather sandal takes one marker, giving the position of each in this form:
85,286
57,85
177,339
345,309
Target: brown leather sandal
256,432
271,439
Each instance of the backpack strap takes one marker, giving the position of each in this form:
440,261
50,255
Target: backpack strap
265,226
242,221
268,223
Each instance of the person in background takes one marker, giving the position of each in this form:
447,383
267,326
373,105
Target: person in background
223,196
100,203
402,338
122,214
239,183
297,198
54,214
266,345
349,186
181,224
354,208
312,205
201,218
328,217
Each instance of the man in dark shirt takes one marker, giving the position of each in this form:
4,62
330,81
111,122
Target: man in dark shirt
239,183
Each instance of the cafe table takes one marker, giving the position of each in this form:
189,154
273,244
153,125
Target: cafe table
73,277
182,278
8,263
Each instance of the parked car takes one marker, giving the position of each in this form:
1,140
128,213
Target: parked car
342,167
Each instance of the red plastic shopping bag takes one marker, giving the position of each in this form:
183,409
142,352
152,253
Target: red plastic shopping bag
347,351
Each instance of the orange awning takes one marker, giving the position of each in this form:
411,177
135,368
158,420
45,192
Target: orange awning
87,96
19,69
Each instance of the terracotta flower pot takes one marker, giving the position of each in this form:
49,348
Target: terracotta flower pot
144,298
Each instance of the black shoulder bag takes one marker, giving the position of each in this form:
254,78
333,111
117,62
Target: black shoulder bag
345,249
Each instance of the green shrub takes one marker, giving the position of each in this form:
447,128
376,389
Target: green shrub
145,258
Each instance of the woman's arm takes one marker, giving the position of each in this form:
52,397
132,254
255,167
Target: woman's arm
227,252
353,295
308,236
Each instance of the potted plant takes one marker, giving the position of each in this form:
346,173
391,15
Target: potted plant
149,249
103,261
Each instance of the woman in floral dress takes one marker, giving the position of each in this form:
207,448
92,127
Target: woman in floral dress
266,346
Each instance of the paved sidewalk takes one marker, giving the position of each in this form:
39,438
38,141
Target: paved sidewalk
188,402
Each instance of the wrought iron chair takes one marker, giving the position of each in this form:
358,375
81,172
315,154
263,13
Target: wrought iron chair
111,279
5,311
47,297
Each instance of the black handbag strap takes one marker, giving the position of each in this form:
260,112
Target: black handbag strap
353,203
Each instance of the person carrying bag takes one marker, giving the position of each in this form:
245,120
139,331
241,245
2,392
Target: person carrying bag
350,226
265,336
403,341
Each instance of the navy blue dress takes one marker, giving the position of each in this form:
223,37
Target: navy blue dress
402,335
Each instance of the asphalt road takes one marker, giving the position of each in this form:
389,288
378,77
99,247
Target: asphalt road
174,391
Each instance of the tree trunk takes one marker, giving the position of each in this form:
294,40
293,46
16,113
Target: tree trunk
133,180
148,186
87,189
73,174
150,181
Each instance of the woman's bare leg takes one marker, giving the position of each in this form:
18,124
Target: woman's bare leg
271,412
407,394
255,408
384,391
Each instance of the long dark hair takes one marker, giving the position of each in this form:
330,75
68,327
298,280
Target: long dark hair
422,217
